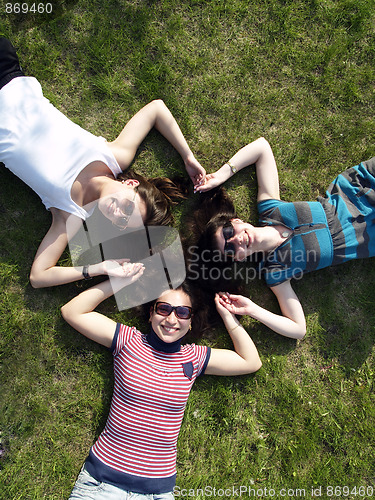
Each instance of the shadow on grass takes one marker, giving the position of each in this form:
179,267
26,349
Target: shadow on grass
341,298
24,222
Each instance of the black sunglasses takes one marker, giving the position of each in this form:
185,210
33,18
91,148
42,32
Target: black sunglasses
128,211
228,233
165,309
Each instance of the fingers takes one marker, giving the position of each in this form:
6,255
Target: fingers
122,268
207,184
218,299
130,272
222,299
225,297
199,189
232,297
132,269
202,186
138,274
198,180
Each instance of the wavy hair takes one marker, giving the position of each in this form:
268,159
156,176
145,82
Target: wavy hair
158,194
214,271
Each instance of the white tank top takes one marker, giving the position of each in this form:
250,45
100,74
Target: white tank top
43,147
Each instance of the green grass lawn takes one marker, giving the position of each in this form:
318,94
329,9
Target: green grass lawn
301,73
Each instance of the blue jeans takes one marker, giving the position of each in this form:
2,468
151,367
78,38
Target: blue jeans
88,488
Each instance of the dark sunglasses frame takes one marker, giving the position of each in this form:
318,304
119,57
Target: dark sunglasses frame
228,233
176,309
128,210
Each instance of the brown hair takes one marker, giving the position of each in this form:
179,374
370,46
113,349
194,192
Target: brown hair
213,205
215,209
158,194
214,271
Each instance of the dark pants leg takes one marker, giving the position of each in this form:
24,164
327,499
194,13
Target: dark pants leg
9,63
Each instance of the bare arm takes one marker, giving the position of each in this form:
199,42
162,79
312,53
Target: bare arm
44,271
259,153
244,359
291,323
293,319
155,114
80,311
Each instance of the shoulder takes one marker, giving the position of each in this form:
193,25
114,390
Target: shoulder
198,354
264,205
193,349
123,334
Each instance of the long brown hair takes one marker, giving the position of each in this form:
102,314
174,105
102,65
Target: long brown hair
158,194
205,262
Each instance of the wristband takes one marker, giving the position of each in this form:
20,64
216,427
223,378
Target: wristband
85,273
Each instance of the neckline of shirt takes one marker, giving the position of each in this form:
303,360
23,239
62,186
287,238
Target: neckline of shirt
159,344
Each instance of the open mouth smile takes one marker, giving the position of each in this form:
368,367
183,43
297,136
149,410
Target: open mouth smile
169,329
247,240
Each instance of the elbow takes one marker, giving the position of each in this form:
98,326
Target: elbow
301,332
257,365
297,332
158,103
35,280
264,142
65,312
157,111
254,366
40,276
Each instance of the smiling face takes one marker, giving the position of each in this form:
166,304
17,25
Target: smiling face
236,237
171,328
122,205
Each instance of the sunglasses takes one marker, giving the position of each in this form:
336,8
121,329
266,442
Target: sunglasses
228,233
128,211
165,309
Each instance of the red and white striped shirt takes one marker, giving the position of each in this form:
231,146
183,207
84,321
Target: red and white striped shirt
138,446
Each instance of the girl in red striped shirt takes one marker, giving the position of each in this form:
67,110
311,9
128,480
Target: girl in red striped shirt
136,452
